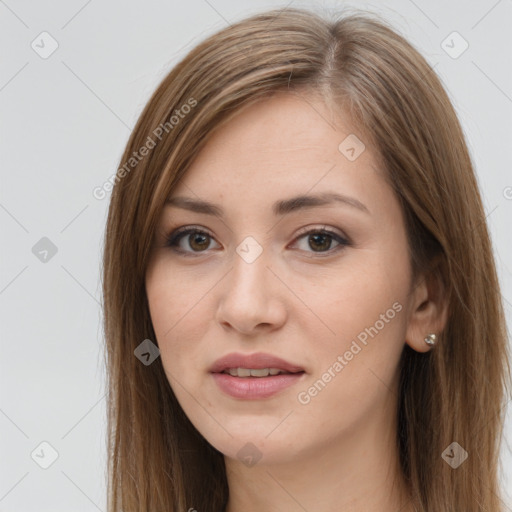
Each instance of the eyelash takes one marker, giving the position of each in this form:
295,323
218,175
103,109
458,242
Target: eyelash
175,237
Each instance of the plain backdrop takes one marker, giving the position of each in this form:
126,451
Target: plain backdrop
65,118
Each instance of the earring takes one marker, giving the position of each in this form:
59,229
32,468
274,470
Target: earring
430,339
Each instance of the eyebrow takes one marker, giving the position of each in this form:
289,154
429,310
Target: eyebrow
279,207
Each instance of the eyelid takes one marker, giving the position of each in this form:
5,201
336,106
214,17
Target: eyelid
190,227
341,239
173,238
325,228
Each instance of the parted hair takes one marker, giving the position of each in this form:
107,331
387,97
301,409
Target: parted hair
358,64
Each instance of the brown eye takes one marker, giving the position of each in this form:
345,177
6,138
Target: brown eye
189,240
320,241
199,241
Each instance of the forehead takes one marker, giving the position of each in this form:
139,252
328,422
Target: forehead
289,142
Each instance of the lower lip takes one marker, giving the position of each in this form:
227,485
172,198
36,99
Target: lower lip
254,388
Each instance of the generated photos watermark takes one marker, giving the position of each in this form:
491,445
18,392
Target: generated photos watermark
101,191
305,397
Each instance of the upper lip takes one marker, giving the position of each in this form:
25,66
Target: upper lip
253,361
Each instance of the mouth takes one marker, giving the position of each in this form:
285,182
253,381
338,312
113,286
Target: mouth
253,365
255,376
256,372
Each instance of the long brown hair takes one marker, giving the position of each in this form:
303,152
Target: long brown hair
454,393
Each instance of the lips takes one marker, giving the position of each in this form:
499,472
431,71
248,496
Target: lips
256,376
253,362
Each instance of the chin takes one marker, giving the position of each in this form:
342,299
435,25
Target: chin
252,442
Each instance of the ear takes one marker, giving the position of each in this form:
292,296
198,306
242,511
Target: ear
429,311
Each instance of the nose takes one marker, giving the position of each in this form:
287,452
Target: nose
251,297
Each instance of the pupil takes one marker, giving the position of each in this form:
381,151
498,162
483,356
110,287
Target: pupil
320,236
200,245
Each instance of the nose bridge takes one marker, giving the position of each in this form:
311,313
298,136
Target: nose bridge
250,272
249,297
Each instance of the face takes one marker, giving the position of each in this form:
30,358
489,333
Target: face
319,290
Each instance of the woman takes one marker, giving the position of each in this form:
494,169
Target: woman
301,304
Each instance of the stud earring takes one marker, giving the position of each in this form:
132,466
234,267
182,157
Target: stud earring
430,339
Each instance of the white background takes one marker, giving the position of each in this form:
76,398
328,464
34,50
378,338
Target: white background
64,123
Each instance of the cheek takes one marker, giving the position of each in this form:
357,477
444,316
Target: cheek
173,296
182,311
358,347
171,305
354,370
354,297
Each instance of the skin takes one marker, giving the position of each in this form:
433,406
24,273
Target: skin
337,452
